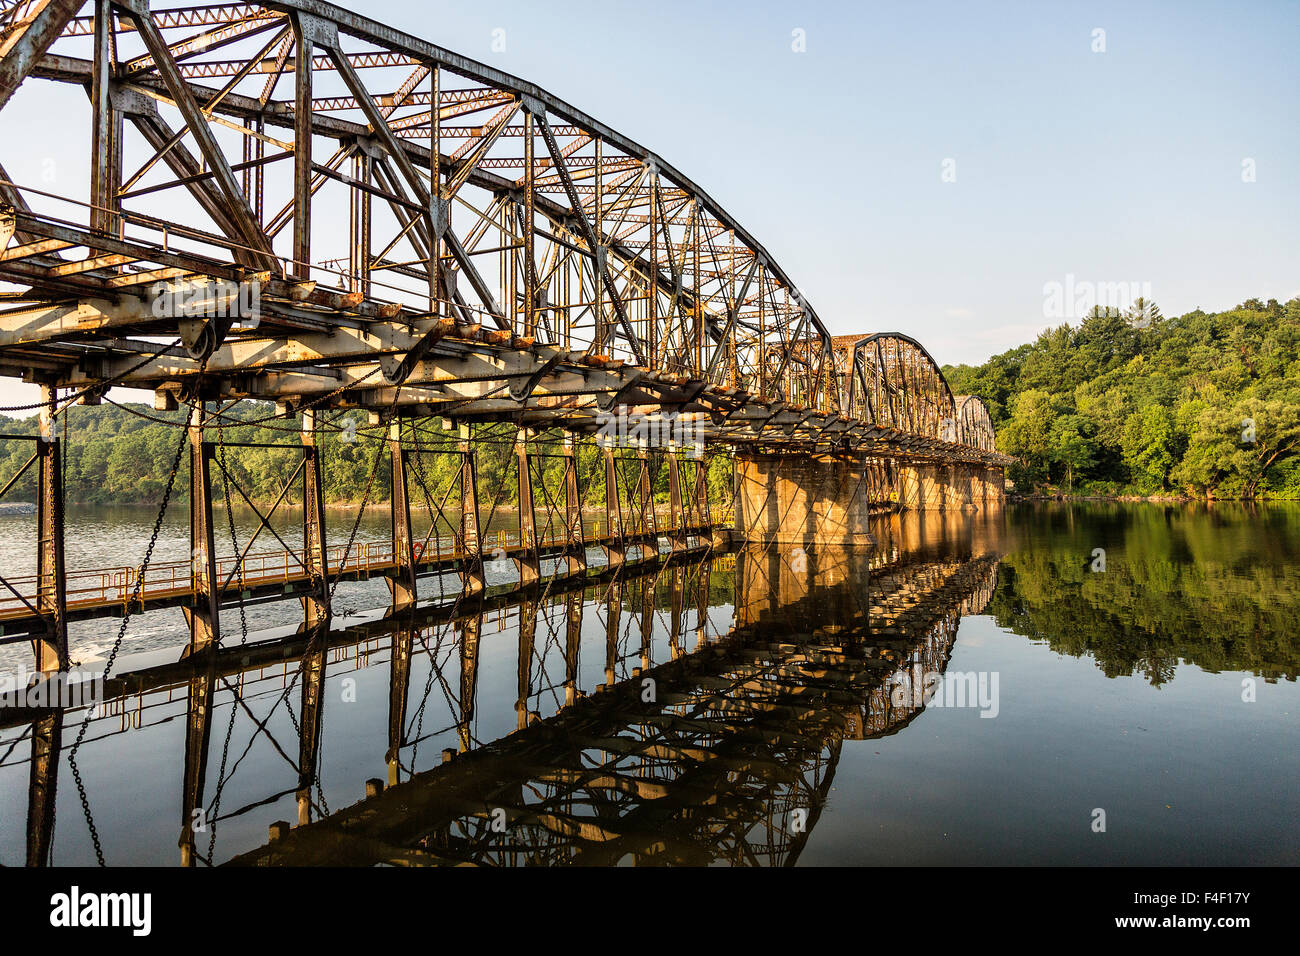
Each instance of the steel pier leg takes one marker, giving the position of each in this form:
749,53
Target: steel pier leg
472,577
47,740
470,628
51,648
404,574
204,612
529,562
615,544
576,542
316,606
399,683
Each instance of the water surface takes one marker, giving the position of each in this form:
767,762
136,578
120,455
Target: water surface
758,708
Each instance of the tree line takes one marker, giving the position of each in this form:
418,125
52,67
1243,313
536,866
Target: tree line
1134,403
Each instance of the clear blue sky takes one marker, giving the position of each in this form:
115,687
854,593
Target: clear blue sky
1120,166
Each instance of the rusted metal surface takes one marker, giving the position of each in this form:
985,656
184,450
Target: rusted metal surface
466,245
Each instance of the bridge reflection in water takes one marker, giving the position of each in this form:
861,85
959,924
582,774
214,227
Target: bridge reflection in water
683,711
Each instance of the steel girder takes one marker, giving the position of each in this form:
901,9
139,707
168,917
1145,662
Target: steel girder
364,181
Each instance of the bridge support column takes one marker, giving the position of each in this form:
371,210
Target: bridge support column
404,573
995,485
528,611
576,543
313,702
648,528
804,500
979,486
198,732
702,606
676,612
615,545
471,541
956,486
530,571
613,613
47,741
647,622
678,524
467,638
399,683
203,614
572,642
921,486
316,605
51,648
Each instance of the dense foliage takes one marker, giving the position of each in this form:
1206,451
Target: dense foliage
1136,403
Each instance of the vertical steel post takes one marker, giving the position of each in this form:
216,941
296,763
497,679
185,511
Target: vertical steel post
51,647
575,540
615,544
572,644
204,612
599,203
313,703
652,314
359,260
106,127
316,605
613,611
468,640
42,789
702,607
528,611
441,209
528,559
647,618
399,682
676,613
649,529
198,733
530,266
304,50
677,516
472,576
404,571
702,493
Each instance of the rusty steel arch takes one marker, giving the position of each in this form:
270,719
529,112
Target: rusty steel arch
892,381
974,424
365,172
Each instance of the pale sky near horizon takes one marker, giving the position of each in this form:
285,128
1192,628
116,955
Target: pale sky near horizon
1117,166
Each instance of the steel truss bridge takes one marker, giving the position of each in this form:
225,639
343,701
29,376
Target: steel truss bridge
732,758
289,202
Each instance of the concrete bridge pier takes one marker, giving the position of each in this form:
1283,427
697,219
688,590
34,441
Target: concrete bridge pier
994,480
921,487
979,486
804,501
950,487
956,486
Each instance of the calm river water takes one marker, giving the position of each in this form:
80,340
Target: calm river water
1049,683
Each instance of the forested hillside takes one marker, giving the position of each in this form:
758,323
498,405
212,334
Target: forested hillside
1205,404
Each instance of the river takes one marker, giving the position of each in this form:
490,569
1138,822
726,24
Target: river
1082,683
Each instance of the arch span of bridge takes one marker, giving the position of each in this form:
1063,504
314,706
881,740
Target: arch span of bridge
290,202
